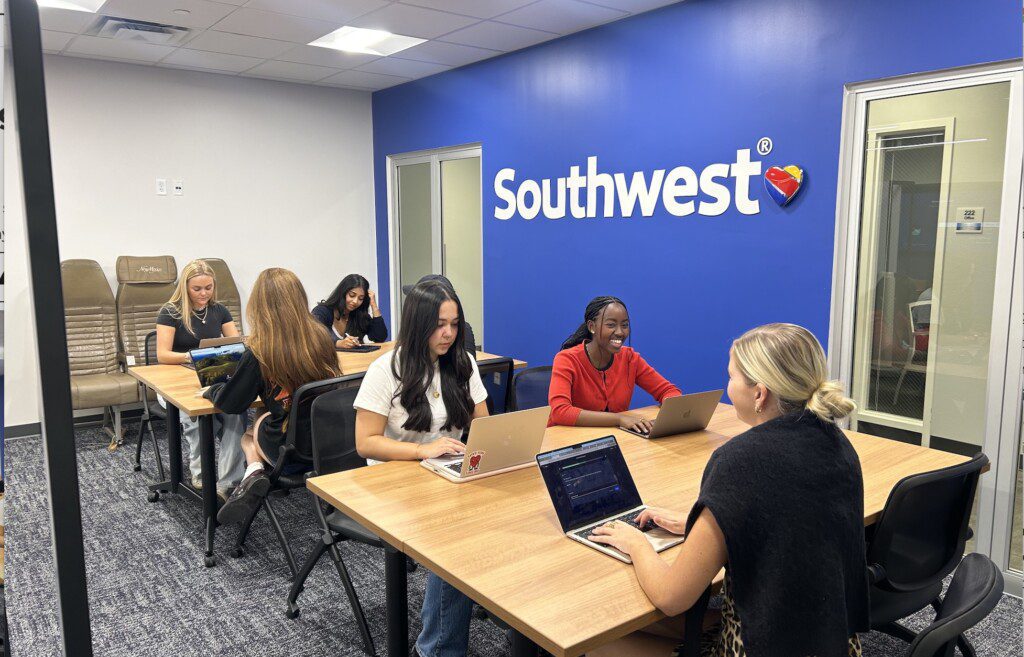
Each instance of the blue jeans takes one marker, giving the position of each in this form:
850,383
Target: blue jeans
446,613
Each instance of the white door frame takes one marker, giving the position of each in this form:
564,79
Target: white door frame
859,381
434,157
1006,355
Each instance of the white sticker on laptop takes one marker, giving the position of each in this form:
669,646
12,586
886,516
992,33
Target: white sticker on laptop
474,461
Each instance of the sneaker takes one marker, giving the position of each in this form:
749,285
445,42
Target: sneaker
245,499
197,482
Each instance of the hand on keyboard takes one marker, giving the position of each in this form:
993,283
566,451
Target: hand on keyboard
634,423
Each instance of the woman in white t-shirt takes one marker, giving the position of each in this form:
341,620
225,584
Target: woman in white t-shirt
414,403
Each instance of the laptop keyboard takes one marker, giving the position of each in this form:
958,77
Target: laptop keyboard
628,518
455,467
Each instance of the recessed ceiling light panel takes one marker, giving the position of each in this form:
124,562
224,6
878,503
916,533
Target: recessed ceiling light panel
91,6
367,42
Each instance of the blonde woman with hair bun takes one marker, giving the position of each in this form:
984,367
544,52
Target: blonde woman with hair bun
781,507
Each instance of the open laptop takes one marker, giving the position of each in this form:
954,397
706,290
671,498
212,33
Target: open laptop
214,342
499,443
216,364
683,414
589,484
217,342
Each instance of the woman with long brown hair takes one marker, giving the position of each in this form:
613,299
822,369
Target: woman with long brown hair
286,349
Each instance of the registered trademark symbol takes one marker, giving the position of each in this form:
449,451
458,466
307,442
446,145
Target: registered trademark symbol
764,145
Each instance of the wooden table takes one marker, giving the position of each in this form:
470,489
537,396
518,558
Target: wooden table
180,388
555,593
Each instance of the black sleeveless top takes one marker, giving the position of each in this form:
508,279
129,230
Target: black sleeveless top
789,497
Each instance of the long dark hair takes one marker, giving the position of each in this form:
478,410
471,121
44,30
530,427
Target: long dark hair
358,319
595,308
414,369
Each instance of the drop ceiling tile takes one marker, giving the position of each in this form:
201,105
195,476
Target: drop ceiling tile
239,44
55,41
122,49
253,22
325,57
498,36
413,21
403,67
213,61
450,54
291,71
363,80
346,87
477,8
561,16
201,14
332,11
634,6
64,20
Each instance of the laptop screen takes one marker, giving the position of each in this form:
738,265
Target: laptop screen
217,364
588,482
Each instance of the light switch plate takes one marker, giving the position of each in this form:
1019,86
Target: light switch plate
161,186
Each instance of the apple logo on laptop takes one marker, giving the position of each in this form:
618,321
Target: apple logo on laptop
686,414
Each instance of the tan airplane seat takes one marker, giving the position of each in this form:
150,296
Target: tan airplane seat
227,291
90,320
144,285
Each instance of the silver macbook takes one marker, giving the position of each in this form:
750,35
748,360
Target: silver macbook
590,485
498,443
683,414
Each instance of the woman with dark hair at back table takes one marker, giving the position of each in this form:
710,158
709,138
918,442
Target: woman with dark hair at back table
350,313
593,377
414,403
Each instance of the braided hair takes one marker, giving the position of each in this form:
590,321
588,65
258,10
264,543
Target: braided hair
595,308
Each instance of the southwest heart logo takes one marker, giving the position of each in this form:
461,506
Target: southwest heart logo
783,183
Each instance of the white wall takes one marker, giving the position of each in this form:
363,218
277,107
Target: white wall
275,174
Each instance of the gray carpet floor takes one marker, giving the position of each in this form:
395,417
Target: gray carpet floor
150,595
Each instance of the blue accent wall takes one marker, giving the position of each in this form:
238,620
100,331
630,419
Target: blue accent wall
688,84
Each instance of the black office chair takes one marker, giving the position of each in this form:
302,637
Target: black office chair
150,410
530,388
294,461
501,390
917,541
975,590
333,434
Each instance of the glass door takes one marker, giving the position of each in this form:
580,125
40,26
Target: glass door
926,320
436,225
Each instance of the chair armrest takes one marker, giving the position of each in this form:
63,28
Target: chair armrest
875,573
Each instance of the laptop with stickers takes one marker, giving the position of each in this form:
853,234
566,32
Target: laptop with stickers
498,443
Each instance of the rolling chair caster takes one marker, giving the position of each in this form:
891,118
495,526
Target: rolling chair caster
293,611
154,496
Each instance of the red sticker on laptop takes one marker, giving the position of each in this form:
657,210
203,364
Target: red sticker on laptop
474,461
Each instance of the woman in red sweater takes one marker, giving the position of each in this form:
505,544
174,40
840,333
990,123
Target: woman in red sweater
593,376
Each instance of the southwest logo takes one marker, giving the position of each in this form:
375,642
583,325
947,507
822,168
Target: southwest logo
783,183
680,191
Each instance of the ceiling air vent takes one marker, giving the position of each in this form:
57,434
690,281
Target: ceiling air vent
129,29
